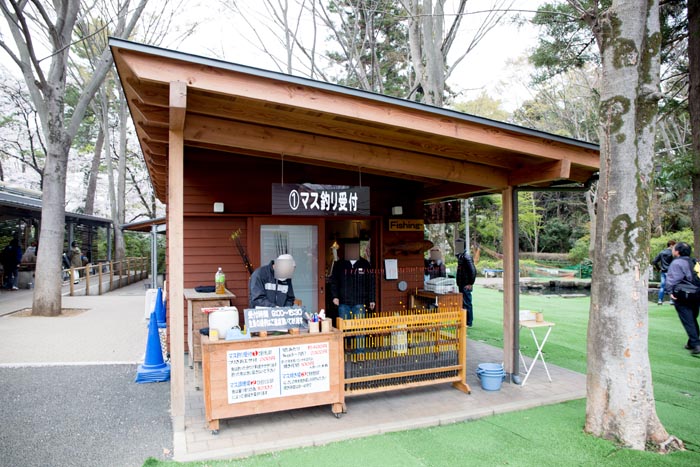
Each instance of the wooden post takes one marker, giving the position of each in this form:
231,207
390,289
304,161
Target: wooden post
99,278
87,280
121,266
128,271
111,275
510,276
176,271
71,280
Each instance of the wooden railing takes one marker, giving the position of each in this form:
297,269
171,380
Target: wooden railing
396,350
125,272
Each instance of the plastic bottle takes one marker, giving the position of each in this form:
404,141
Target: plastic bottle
220,281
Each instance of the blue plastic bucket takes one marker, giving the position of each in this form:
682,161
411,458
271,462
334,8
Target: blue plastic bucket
491,376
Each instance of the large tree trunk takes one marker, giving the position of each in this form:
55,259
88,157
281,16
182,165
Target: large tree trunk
47,293
620,395
94,173
114,210
694,108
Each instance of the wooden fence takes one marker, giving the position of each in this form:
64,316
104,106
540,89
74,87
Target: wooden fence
124,272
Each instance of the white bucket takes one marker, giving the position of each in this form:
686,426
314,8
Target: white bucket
223,319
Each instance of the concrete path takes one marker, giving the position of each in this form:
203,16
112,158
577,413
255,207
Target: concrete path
67,395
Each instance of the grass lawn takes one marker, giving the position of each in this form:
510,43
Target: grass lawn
542,436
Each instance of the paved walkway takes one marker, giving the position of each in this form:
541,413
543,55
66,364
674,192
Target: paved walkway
371,414
67,391
14,300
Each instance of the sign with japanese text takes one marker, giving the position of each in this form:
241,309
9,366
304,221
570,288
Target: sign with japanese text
270,372
319,200
273,319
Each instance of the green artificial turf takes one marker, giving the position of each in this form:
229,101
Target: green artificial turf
544,436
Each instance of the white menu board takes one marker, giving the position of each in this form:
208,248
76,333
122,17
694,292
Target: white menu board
256,374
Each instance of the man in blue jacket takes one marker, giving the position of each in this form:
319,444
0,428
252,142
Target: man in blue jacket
680,275
271,285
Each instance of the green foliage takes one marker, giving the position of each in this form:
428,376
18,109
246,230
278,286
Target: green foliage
529,220
486,218
580,250
484,106
566,41
659,243
371,31
555,236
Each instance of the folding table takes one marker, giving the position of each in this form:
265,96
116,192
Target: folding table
532,325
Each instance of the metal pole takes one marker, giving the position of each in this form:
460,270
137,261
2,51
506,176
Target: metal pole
154,256
466,226
109,242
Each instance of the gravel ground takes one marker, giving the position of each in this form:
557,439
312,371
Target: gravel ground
82,415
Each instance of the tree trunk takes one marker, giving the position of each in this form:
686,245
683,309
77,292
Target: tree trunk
694,110
94,173
620,396
118,235
47,292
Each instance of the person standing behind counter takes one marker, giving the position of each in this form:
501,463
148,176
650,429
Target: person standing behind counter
271,285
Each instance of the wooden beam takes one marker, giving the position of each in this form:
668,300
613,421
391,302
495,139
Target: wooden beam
178,105
161,69
509,275
150,105
273,140
449,190
540,173
176,272
301,160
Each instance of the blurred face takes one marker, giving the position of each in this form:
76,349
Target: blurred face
675,253
435,254
284,268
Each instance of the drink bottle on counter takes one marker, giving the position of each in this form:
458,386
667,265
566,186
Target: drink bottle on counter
220,282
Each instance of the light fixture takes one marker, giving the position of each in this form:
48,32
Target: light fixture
397,211
218,207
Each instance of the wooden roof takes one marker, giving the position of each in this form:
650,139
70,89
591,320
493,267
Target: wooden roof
244,110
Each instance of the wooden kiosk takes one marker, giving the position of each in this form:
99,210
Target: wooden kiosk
219,138
272,373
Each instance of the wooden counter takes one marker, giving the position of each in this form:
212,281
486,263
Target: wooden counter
273,373
422,298
197,320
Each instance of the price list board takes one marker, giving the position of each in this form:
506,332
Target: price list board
270,372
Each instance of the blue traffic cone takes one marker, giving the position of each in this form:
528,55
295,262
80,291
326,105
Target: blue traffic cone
160,309
153,369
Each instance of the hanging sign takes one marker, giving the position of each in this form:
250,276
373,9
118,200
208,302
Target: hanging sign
319,200
447,212
406,225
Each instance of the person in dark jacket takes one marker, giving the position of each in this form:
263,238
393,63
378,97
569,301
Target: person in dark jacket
434,265
271,285
661,263
680,272
353,289
352,284
11,258
466,275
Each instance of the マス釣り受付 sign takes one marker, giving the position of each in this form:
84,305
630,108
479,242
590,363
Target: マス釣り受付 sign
319,200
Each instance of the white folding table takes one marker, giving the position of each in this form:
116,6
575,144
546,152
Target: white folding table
532,325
